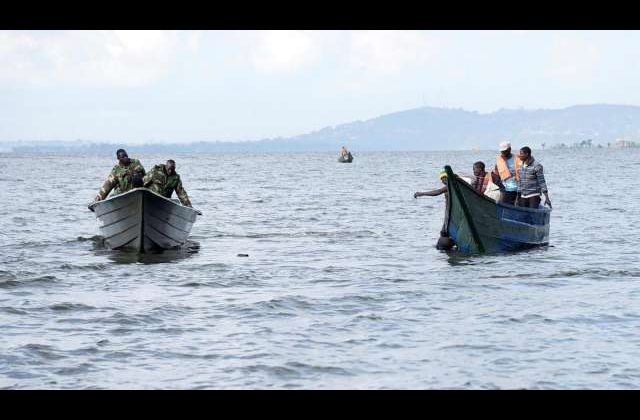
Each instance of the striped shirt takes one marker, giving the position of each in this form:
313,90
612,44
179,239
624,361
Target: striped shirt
532,180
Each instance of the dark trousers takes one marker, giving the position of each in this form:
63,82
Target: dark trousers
508,197
532,202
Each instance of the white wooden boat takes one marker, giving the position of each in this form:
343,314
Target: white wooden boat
142,220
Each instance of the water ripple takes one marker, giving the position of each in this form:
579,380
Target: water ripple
343,287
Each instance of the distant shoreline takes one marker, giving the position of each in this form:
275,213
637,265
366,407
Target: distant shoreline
148,151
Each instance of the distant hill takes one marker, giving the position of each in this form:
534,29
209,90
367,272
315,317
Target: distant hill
446,129
425,128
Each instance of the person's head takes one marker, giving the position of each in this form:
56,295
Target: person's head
505,148
170,167
445,243
122,156
478,168
443,176
525,154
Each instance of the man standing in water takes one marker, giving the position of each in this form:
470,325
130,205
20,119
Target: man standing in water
127,174
507,169
444,242
531,182
164,180
444,190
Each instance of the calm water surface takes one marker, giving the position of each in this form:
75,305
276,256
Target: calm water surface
343,287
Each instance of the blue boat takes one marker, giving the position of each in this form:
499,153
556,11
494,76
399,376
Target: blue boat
478,224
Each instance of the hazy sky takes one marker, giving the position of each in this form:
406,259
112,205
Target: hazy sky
140,86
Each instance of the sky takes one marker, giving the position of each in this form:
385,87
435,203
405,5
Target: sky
187,86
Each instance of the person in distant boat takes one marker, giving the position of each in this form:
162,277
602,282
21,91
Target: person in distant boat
531,182
507,169
126,175
486,182
164,180
345,154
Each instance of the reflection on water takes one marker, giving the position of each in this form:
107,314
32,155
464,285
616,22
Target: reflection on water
127,256
460,258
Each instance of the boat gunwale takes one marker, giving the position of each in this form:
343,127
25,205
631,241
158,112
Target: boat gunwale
461,181
95,203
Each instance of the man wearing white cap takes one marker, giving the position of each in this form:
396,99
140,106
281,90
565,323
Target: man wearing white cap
507,168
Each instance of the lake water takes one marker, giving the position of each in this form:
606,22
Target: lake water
342,288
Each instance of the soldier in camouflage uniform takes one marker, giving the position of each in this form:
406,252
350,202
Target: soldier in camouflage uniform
163,179
126,175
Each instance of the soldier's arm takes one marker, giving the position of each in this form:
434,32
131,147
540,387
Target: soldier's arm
147,179
138,169
182,194
106,188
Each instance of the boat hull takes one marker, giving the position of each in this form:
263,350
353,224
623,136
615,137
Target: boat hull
142,220
478,224
343,159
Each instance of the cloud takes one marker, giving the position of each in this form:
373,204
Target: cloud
389,52
15,56
282,51
89,58
573,60
193,40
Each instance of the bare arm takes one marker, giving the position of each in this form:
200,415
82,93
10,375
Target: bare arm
431,193
495,178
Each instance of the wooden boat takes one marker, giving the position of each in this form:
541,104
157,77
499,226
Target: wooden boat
143,220
347,159
479,224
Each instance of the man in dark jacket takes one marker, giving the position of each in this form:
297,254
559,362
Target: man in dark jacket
164,180
123,177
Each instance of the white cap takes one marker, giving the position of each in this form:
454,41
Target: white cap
505,145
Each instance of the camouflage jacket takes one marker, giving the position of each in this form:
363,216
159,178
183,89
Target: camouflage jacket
158,181
121,179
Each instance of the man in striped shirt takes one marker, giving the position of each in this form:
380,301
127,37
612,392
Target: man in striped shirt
531,182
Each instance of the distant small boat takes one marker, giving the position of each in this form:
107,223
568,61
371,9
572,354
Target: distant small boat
479,224
346,159
142,220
